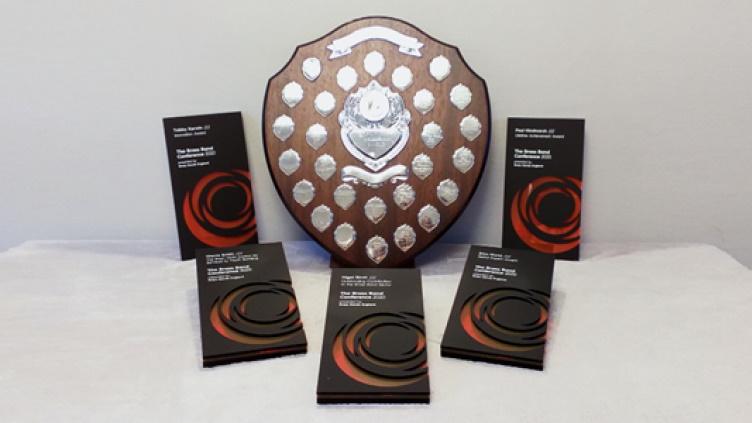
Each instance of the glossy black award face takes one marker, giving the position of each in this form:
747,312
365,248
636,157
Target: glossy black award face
247,304
211,183
500,313
543,186
376,135
374,346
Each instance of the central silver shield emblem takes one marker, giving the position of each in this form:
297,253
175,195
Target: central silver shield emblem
375,127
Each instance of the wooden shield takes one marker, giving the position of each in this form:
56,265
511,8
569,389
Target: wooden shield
376,136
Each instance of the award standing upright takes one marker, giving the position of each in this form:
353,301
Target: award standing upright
376,135
543,186
211,182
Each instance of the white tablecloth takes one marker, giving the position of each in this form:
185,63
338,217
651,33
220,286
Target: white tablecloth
109,331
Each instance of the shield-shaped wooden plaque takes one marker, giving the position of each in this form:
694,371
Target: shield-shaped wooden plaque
376,136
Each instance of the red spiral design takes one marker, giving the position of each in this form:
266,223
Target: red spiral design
199,216
483,319
356,355
525,210
234,319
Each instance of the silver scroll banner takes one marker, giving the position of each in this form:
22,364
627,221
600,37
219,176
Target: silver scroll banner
343,46
357,175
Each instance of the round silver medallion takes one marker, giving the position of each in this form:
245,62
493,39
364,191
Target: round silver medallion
292,93
345,235
375,209
463,159
325,166
404,196
428,218
347,77
316,135
439,68
377,249
374,105
344,196
324,103
283,127
289,161
422,166
432,134
470,127
424,101
404,237
374,63
402,77
460,96
321,217
303,192
447,191
311,68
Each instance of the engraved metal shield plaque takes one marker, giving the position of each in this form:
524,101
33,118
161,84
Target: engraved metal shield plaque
376,136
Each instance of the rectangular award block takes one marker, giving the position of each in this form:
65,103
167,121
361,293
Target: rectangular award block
374,346
247,304
211,184
543,186
500,312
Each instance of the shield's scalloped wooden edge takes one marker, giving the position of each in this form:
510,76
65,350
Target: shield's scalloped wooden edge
340,259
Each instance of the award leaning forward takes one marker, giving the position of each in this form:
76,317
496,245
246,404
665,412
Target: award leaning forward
376,136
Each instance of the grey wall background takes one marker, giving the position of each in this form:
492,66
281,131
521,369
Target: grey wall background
666,88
